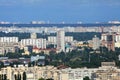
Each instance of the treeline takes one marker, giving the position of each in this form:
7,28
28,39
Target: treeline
79,36
83,36
20,35
81,57
84,58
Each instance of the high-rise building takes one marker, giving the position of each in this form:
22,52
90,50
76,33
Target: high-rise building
96,42
61,41
108,40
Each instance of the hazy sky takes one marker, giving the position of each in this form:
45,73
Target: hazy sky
59,10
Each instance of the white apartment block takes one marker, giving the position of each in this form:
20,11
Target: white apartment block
53,39
104,37
96,42
117,38
9,39
68,38
61,41
39,43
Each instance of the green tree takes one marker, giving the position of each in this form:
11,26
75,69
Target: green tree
41,79
15,76
1,64
24,76
5,77
0,77
50,79
19,76
86,78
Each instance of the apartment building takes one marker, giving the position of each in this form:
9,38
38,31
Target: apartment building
107,71
39,43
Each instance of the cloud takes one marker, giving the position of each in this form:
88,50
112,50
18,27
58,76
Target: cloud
95,2
74,2
7,2
18,2
104,2
31,1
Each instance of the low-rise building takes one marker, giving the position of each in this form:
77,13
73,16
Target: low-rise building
39,50
107,71
31,73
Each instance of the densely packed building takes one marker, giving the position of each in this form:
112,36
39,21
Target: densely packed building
8,44
107,71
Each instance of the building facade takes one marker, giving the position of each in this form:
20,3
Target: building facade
96,42
108,40
39,43
61,41
8,47
9,39
107,71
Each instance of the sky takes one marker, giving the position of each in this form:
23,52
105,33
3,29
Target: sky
69,11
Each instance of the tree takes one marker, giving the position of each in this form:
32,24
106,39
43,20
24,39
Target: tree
5,77
0,77
1,64
24,76
86,78
50,79
15,76
19,76
45,79
41,79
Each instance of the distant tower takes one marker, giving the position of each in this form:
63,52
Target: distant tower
61,41
96,42
102,29
33,35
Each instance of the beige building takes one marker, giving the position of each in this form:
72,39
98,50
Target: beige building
32,73
107,71
46,51
8,47
8,44
109,74
108,40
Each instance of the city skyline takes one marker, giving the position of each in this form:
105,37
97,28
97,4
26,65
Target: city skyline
86,11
